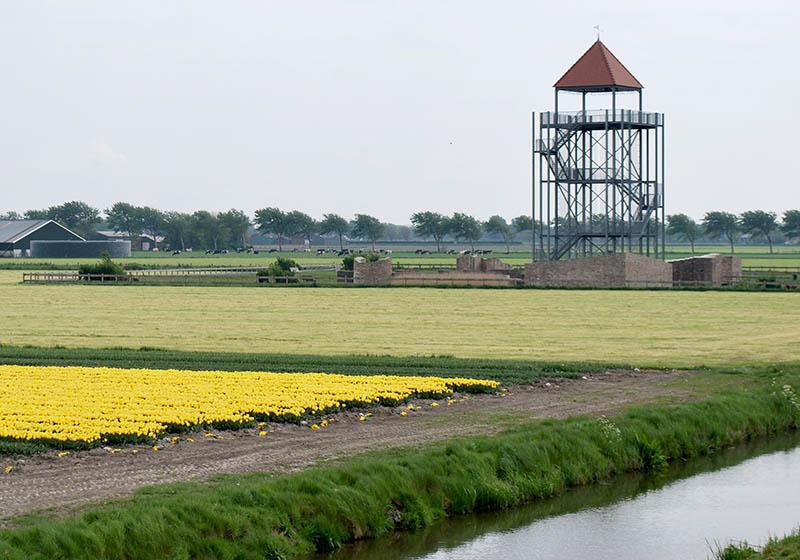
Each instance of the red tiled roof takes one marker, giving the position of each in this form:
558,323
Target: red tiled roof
597,70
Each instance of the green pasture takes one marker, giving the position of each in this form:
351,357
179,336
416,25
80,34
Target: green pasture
659,328
752,255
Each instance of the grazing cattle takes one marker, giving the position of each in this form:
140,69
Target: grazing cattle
174,253
272,251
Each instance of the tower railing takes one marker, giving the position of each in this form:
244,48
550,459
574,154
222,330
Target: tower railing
631,116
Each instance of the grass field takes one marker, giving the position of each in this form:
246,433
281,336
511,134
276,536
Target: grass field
752,255
658,328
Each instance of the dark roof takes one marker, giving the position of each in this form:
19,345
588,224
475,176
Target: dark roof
12,231
598,70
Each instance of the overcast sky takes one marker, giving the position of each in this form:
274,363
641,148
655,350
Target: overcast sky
376,106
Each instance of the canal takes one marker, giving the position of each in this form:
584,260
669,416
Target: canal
742,493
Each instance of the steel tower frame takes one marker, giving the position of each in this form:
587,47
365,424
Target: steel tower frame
600,181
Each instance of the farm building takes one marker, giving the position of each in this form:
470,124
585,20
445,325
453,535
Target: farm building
141,242
16,235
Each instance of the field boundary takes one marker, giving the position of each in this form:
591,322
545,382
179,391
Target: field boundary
768,279
504,370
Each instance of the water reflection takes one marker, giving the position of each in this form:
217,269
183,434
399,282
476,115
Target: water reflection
745,492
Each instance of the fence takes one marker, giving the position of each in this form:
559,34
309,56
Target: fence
184,276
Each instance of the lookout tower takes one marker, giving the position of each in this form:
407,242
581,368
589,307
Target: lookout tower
601,171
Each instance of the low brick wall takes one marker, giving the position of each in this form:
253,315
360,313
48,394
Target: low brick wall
713,270
474,263
451,278
619,270
731,269
377,273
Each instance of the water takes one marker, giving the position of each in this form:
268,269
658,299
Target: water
744,493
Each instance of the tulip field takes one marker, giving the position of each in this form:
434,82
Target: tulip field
84,405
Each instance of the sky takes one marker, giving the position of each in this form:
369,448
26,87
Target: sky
376,106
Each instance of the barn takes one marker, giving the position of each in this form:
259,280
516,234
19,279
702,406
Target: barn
16,235
141,242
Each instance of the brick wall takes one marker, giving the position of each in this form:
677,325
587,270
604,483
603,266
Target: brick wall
473,263
377,273
617,270
451,278
730,269
710,270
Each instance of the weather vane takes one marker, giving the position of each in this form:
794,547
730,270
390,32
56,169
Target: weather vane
597,28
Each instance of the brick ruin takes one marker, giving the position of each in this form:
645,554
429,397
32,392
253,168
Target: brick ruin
474,263
372,273
713,270
618,270
479,272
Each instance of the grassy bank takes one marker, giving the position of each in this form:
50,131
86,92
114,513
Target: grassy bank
777,548
266,516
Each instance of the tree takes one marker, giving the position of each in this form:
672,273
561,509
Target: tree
684,227
497,225
303,224
153,223
177,229
37,214
11,215
334,223
126,218
237,225
367,227
431,224
466,228
207,229
522,223
791,223
275,221
722,224
760,223
75,215
405,233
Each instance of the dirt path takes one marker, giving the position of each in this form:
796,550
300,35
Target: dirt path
48,481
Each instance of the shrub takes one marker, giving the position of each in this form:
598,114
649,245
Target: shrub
281,267
348,261
105,266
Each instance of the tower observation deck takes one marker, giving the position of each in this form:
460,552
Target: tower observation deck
599,183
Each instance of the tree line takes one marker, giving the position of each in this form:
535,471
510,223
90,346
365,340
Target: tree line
758,224
232,229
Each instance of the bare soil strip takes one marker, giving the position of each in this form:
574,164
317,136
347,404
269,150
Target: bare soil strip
50,482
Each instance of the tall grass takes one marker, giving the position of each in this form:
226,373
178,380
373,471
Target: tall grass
266,516
776,548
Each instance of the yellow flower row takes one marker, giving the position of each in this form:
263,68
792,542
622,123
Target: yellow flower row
82,404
